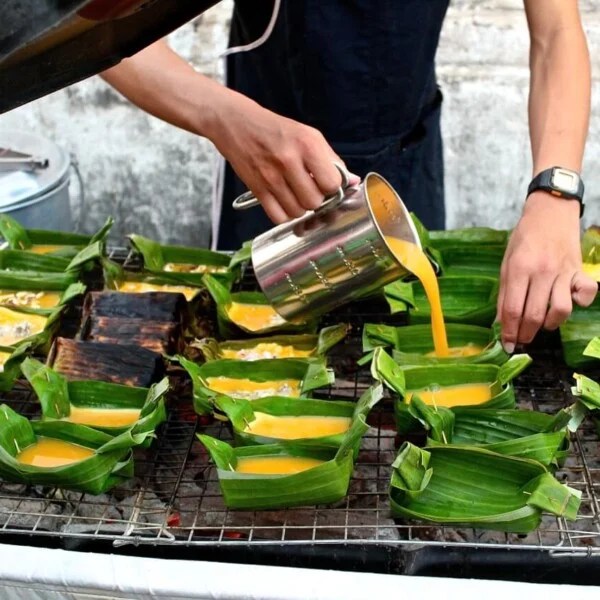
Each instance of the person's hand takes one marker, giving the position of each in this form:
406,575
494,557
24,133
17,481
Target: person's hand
541,274
288,166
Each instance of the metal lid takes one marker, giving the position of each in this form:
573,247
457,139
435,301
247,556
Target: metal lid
26,181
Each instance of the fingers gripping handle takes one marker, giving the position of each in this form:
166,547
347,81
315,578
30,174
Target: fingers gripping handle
248,199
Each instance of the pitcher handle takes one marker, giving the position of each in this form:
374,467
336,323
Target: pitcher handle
248,199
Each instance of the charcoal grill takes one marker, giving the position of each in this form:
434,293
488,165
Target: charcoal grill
173,507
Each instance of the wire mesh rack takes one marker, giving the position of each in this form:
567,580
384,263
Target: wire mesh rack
174,498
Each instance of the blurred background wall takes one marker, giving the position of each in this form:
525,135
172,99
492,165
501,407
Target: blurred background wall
156,180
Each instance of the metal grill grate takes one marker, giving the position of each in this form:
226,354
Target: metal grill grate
174,499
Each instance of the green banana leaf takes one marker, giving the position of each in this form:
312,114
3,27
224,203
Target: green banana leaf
402,379
110,465
312,373
244,254
231,330
588,392
472,259
474,237
156,256
468,300
322,484
523,433
411,345
11,369
470,486
577,331
317,345
19,238
242,412
57,395
40,282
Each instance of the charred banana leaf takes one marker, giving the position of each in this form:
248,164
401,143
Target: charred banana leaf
113,363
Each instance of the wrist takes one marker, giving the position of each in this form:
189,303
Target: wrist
546,202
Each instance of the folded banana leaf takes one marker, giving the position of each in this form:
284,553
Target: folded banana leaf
114,363
413,345
523,433
119,279
321,484
242,414
182,264
413,378
588,391
294,375
474,487
110,464
39,292
232,326
59,397
274,347
52,243
577,331
474,237
469,300
472,259
243,255
11,358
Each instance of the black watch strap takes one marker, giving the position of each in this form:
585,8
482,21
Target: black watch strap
562,183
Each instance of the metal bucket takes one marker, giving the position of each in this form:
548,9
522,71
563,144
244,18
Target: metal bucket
34,181
326,258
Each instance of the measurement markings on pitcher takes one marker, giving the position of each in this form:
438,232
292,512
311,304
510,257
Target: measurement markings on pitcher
320,275
299,293
347,261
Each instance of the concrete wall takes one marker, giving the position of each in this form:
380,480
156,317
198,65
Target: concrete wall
156,180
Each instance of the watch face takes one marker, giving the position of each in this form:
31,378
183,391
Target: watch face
565,180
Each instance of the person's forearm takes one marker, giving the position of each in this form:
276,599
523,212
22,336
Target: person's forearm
559,103
160,82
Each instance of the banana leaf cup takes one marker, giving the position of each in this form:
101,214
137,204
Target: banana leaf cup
576,332
57,244
232,326
413,344
41,293
182,264
324,483
468,300
411,379
523,433
305,374
474,487
59,398
242,414
110,462
274,347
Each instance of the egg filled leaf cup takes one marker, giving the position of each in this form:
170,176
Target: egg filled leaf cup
274,347
289,377
481,386
318,423
413,344
54,244
182,264
65,455
276,476
474,487
469,300
109,407
244,314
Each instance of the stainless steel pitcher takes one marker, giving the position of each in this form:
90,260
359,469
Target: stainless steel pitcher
335,254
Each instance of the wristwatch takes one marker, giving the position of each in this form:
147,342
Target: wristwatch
562,183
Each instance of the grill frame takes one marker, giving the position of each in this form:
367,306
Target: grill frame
174,501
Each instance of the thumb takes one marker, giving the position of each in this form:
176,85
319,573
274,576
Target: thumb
583,289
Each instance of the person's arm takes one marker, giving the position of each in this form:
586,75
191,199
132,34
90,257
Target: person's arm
287,165
541,273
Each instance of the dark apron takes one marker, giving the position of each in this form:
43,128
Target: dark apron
360,71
